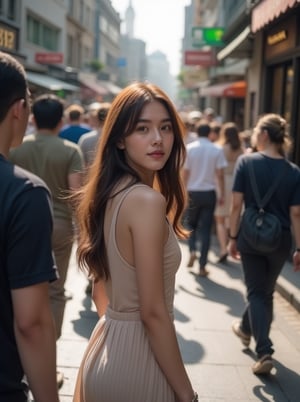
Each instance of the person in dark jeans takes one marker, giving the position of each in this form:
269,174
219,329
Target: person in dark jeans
200,220
261,270
204,163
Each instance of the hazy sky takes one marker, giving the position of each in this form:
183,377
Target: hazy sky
160,24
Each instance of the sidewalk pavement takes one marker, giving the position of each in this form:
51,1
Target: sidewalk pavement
288,285
204,309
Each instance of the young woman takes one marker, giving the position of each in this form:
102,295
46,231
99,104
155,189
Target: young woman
262,270
232,147
129,214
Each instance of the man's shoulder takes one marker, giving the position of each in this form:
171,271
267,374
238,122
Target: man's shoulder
15,179
88,137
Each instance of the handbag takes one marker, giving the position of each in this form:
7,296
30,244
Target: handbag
261,229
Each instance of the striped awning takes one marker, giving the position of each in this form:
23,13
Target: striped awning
267,10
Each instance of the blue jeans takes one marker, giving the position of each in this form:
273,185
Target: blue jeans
260,274
200,218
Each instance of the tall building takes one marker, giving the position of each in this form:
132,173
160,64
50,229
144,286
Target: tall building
158,72
129,20
132,52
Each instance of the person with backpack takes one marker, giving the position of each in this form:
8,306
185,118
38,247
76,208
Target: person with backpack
261,268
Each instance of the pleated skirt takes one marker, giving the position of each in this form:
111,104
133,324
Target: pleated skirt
119,364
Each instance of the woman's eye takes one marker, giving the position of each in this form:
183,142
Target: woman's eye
166,127
143,129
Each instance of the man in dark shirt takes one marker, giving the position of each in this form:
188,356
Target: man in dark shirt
27,334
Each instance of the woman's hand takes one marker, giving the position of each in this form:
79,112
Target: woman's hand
296,261
232,249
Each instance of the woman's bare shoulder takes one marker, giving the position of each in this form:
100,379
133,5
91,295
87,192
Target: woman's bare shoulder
145,194
142,200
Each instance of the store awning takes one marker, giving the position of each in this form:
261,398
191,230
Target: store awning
237,47
267,10
50,83
235,89
112,88
93,85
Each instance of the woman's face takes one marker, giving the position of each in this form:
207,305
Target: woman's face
148,147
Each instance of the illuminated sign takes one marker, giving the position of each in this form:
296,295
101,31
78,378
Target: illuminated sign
207,36
276,38
8,38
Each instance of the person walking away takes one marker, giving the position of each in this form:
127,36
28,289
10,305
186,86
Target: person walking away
261,270
75,126
130,248
88,145
27,266
203,174
59,163
232,147
88,141
214,134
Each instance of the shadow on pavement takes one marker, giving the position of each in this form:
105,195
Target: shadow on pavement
88,319
179,316
213,291
191,351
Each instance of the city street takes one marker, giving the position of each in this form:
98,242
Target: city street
219,367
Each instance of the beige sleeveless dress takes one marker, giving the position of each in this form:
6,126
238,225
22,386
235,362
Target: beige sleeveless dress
119,365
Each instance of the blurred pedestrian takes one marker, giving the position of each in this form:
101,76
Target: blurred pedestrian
75,126
27,331
232,147
193,119
59,163
261,270
204,164
88,142
88,145
209,114
214,134
131,250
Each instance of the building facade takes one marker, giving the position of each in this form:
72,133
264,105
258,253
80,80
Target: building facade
59,40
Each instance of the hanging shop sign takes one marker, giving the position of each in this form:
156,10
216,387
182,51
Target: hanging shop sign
49,58
203,36
202,58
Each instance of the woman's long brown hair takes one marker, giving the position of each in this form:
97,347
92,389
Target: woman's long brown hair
110,167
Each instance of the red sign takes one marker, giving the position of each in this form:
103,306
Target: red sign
49,58
205,58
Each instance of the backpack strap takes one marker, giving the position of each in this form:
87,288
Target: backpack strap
261,203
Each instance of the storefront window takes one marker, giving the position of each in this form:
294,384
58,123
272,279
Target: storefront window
276,94
280,100
288,94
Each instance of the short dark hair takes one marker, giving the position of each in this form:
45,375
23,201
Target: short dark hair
203,129
102,111
74,112
48,111
13,83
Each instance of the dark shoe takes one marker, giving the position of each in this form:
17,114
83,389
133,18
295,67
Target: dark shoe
203,272
192,259
59,379
223,258
236,328
264,365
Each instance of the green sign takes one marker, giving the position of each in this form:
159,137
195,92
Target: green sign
207,36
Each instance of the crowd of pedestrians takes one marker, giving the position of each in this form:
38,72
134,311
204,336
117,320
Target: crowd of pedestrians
125,180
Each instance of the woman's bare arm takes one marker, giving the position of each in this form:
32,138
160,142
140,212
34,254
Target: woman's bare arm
149,232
